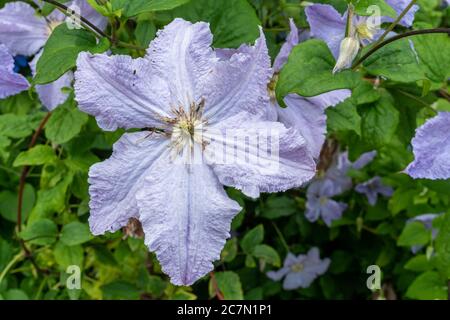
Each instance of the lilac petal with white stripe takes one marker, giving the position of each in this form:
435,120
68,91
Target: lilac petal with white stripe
114,182
186,216
11,83
432,149
273,159
21,29
327,24
128,93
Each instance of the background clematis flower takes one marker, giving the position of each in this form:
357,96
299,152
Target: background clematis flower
427,220
306,115
373,188
193,98
11,83
432,149
300,271
333,182
24,32
329,25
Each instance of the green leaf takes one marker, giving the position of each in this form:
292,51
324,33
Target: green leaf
344,117
442,246
397,62
41,232
65,123
308,72
75,233
67,256
8,203
61,52
361,8
279,206
229,285
15,126
428,286
36,156
252,239
233,22
268,254
120,290
229,252
433,51
15,294
145,32
379,122
135,7
413,234
419,263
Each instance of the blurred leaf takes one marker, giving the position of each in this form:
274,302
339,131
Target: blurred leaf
75,233
442,246
229,285
252,238
8,203
120,290
14,126
229,252
413,234
67,256
36,156
135,7
41,232
267,254
428,286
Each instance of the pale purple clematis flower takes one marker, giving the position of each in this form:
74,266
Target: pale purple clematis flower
11,83
427,220
329,25
333,182
195,101
319,203
432,149
24,32
373,188
306,115
300,271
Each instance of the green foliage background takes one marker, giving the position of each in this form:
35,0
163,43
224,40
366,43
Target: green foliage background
118,266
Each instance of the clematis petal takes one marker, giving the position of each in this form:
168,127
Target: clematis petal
51,95
291,41
399,6
90,14
327,24
120,92
332,210
21,30
364,160
432,149
186,216
238,85
262,157
114,182
11,83
295,280
279,274
182,55
307,116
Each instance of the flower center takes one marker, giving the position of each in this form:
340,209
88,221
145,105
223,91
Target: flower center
365,32
298,267
272,86
323,200
187,127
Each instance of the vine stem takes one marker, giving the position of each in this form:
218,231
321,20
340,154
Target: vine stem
26,170
11,264
396,21
219,294
398,37
98,32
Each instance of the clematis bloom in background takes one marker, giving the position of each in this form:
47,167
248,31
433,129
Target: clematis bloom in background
431,147
373,188
11,83
329,25
300,271
24,32
306,115
191,97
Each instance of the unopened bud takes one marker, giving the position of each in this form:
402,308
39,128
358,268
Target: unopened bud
349,50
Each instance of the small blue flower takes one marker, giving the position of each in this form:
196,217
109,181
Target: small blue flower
301,271
373,188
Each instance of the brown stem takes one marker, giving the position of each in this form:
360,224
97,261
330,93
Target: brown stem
26,170
219,294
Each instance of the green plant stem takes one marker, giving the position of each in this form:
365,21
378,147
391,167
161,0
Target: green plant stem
396,21
11,264
377,47
280,235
